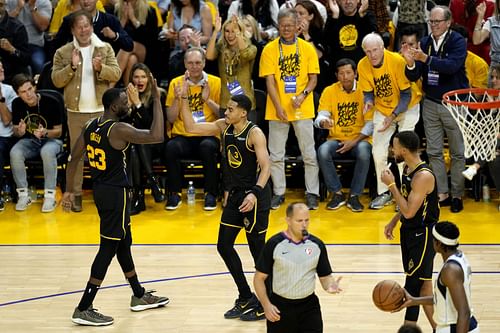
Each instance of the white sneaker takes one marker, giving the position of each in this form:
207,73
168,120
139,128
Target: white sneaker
23,200
469,173
49,201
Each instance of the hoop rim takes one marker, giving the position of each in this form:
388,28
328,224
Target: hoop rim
473,105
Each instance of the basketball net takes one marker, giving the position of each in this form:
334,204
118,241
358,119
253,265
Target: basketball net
476,111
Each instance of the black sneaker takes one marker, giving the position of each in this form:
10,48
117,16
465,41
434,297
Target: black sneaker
210,202
311,201
354,204
242,306
254,315
173,201
456,205
276,201
338,200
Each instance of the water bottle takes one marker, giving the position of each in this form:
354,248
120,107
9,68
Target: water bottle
32,193
6,193
191,192
486,193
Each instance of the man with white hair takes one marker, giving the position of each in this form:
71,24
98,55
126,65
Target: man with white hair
388,91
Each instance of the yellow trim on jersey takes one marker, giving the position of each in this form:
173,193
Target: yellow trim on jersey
423,253
231,225
112,238
254,217
246,139
124,211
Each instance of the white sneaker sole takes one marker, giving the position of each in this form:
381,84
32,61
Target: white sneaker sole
138,308
83,322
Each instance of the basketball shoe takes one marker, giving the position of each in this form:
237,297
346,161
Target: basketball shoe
147,301
242,306
91,317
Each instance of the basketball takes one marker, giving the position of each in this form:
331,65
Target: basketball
388,295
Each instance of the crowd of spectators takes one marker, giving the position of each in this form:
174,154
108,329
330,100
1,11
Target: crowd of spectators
375,71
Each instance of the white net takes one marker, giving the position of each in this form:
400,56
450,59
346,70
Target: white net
477,115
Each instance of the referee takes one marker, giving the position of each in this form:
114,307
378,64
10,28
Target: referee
291,259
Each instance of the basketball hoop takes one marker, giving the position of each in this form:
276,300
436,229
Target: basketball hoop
476,111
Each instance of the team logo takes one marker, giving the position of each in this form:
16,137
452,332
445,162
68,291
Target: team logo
348,36
410,265
34,121
246,222
234,158
309,251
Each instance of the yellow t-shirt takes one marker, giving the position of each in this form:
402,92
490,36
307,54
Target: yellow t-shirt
476,70
299,63
201,112
385,82
63,8
346,110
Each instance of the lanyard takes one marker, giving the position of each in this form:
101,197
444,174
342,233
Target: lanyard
296,51
440,49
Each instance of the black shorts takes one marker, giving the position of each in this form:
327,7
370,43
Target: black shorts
113,206
255,220
417,252
296,315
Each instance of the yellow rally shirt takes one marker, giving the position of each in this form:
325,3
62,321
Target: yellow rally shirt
200,110
346,110
386,81
292,61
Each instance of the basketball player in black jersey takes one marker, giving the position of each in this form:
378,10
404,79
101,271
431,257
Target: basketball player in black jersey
249,201
418,212
105,140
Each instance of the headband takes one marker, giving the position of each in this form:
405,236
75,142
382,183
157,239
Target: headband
444,240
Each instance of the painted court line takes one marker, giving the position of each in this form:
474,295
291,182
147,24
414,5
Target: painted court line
32,299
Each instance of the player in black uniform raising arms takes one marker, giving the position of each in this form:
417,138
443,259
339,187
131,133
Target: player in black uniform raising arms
249,201
105,141
418,212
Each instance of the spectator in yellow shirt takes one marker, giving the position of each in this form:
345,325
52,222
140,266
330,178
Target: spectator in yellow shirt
341,112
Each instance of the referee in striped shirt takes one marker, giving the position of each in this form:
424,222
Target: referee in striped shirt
291,259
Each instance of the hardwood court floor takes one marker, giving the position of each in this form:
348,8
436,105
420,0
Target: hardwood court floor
46,260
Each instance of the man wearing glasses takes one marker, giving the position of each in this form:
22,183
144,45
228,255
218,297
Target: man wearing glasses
440,62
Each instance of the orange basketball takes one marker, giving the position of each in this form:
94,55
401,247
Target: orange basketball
388,295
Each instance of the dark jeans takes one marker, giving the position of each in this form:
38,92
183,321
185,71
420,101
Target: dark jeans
6,144
204,148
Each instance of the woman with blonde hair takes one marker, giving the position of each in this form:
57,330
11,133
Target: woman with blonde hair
235,55
140,21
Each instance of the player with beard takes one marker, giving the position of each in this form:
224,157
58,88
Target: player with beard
418,212
106,140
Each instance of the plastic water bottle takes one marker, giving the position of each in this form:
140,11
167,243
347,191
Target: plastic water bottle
32,193
191,192
486,193
6,193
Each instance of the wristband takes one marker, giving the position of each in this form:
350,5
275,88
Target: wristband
391,184
256,190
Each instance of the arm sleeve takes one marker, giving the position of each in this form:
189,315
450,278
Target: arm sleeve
404,101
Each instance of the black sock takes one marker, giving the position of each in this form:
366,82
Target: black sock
88,296
136,286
